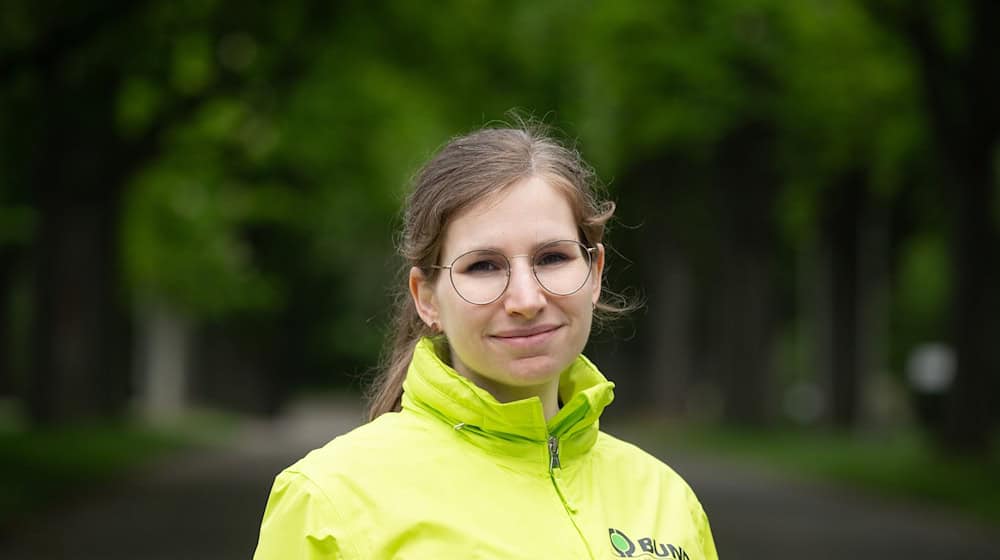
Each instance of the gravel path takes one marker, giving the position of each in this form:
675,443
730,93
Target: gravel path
208,505
760,514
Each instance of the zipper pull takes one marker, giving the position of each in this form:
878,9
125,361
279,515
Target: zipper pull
554,453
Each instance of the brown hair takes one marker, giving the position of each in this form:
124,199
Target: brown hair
466,170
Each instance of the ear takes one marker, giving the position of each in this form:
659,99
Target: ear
422,292
598,273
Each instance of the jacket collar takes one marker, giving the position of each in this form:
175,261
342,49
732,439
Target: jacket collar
434,387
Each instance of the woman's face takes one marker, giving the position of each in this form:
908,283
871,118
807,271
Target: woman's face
521,342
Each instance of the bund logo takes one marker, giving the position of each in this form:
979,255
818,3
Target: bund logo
646,547
622,544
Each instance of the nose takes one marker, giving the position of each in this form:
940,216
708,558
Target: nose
524,296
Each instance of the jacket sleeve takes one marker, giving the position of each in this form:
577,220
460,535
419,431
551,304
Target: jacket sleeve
299,522
704,532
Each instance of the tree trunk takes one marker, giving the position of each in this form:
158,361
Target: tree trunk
164,362
6,349
969,423
81,351
745,330
670,340
744,308
78,169
880,398
845,206
659,191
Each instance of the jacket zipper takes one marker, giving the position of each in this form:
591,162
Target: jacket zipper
554,463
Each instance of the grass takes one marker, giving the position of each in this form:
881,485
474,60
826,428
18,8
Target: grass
40,468
904,466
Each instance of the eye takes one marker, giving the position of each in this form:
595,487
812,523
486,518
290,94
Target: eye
483,266
553,258
481,263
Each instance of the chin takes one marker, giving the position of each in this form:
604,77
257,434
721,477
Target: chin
534,370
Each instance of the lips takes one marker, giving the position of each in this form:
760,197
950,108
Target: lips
527,339
526,332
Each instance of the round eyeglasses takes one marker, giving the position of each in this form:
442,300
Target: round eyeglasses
561,268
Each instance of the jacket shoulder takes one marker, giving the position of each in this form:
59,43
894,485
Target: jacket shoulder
364,448
299,522
317,506
636,461
611,445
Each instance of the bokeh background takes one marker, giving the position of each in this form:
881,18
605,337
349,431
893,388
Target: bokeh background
198,200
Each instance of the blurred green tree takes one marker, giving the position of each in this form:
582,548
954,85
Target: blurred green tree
241,167
956,55
95,91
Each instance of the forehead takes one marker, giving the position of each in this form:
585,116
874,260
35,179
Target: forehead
517,219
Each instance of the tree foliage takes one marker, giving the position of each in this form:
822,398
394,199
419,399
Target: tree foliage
253,159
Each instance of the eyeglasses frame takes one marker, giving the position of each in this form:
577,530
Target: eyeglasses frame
510,268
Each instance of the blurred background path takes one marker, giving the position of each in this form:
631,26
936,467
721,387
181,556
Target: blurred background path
207,504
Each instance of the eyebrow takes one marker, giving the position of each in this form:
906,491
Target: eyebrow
497,249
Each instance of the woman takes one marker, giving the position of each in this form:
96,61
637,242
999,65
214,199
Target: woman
484,440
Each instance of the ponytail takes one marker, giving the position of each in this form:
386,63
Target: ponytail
386,392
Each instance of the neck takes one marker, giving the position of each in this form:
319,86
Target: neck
547,392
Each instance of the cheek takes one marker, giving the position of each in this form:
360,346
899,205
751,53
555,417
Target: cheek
464,330
583,311
444,296
586,317
459,317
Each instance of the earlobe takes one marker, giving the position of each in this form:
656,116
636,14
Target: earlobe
423,297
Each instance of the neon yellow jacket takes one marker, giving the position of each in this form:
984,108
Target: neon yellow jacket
458,475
